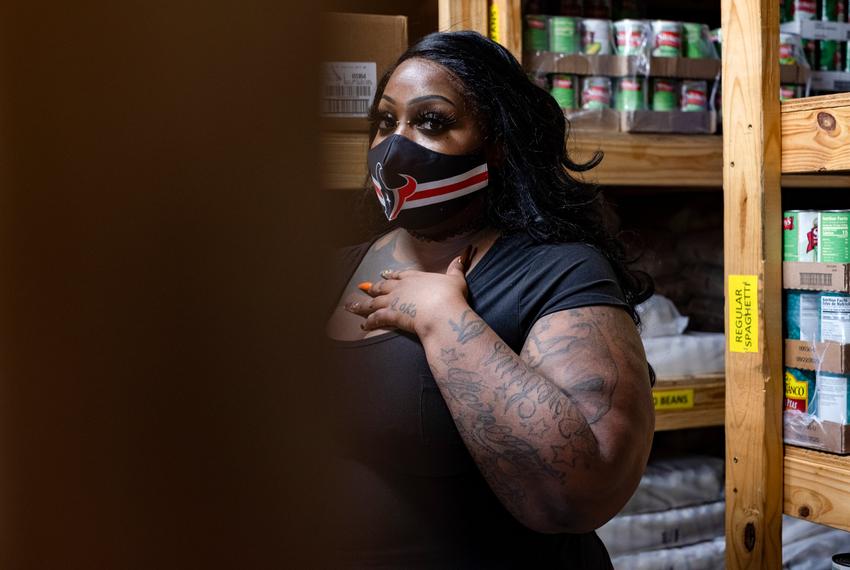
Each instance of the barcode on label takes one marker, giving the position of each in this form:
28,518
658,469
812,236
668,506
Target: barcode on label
348,91
345,106
816,279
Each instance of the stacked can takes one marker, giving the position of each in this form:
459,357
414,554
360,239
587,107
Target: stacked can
787,92
694,95
630,94
596,37
563,34
816,236
536,35
790,47
667,38
564,91
632,36
800,230
697,41
595,93
665,94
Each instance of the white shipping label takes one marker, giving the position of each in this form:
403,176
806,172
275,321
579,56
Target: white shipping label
835,319
348,89
832,398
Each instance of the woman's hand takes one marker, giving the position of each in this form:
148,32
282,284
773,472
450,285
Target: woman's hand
413,300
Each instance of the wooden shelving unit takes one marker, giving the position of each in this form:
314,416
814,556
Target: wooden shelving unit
704,397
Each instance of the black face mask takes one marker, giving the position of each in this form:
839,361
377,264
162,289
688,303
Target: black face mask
418,187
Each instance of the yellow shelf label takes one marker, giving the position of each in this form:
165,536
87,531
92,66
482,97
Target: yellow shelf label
743,297
673,399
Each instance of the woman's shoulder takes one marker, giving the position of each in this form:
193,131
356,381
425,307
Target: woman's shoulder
537,253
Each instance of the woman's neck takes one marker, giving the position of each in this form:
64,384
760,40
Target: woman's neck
436,255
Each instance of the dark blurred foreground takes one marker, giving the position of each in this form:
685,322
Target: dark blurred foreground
160,250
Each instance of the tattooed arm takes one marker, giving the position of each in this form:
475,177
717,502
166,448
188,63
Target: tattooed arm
562,431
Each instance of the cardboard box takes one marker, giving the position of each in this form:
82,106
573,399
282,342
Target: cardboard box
830,81
360,48
622,66
818,30
809,276
794,74
607,120
805,430
682,122
823,356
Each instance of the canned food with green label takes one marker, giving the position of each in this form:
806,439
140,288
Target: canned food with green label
834,236
665,94
697,42
563,34
695,95
800,230
632,36
595,93
667,38
564,91
536,36
630,94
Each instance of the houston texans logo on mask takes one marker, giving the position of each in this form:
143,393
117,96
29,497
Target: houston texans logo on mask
407,176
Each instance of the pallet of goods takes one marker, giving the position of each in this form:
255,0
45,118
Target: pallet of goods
816,279
627,75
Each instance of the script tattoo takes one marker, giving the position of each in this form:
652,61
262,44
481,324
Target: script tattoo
405,308
582,352
502,455
467,329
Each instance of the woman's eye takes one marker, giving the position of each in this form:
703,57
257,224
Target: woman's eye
386,123
433,123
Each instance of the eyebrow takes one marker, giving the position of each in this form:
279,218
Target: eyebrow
420,99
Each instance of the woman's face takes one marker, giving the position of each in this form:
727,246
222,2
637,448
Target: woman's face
421,103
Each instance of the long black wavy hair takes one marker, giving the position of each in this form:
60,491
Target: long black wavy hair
530,187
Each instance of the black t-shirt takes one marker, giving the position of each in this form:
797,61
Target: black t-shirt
413,496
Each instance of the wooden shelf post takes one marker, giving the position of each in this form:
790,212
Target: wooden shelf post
752,213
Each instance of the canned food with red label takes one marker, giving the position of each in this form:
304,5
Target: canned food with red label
694,95
595,93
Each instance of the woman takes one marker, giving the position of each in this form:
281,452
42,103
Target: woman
493,389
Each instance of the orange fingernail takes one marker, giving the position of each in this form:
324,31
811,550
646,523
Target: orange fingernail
365,286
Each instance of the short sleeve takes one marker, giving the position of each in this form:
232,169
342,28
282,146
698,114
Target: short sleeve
567,276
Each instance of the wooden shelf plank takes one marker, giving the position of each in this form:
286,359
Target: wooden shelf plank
816,134
708,403
651,160
659,161
817,487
